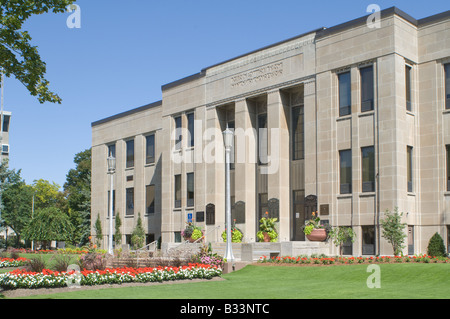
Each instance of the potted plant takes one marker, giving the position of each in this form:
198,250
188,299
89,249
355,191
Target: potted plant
267,231
236,234
313,230
192,232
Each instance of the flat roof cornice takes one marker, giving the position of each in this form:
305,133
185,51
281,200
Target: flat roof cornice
126,113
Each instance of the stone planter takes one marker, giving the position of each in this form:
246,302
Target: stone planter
317,234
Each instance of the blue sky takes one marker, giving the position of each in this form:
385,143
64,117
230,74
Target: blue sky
125,50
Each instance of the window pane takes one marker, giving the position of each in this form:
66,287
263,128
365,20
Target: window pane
368,240
447,85
262,139
409,164
150,149
150,198
177,191
448,167
344,94
345,159
263,207
130,153
298,137
6,119
130,201
190,118
368,169
366,88
408,87
111,150
178,133
190,189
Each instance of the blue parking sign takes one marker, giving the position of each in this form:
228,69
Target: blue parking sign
189,217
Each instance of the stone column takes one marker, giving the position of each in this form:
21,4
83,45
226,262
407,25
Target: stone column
278,166
245,166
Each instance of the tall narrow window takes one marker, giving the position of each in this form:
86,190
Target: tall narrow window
368,169
368,240
6,119
150,198
298,136
448,167
345,162
231,126
345,95
263,205
177,191
130,153
114,202
262,139
447,85
150,149
129,199
367,88
190,120
178,133
408,87
111,150
190,189
409,167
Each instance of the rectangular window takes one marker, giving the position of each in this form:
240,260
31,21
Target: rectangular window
263,205
129,201
6,119
409,167
368,240
262,139
367,89
130,154
368,169
111,150
345,95
447,148
408,87
150,149
345,162
190,120
190,189
150,198
231,126
178,133
177,191
298,136
114,202
447,85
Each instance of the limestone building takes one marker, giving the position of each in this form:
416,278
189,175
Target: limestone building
349,121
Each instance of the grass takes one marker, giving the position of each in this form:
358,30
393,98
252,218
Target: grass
398,281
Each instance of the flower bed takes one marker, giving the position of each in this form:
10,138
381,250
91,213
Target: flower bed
10,262
54,279
352,260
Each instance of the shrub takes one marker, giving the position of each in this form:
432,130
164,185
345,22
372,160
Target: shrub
62,262
36,264
436,246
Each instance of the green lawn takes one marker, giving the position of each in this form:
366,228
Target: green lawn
398,281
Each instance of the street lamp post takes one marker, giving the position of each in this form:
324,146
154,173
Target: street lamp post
228,141
111,160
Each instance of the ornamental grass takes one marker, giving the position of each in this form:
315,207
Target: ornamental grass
20,278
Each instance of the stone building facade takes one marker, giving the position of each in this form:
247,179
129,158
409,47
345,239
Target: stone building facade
349,121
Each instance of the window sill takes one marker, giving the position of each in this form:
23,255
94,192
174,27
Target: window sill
366,113
129,216
447,193
343,196
410,113
149,164
411,194
446,111
367,194
344,118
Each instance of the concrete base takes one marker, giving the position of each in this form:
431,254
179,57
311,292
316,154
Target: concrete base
233,266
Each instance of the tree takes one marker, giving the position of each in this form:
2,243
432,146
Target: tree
436,246
17,56
49,224
138,234
394,230
78,193
340,235
98,231
47,195
118,233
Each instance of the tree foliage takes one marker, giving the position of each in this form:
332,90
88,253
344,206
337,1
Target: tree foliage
138,234
49,224
77,189
18,57
340,235
394,230
436,246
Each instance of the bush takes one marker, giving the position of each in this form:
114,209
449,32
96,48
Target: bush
436,246
36,264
